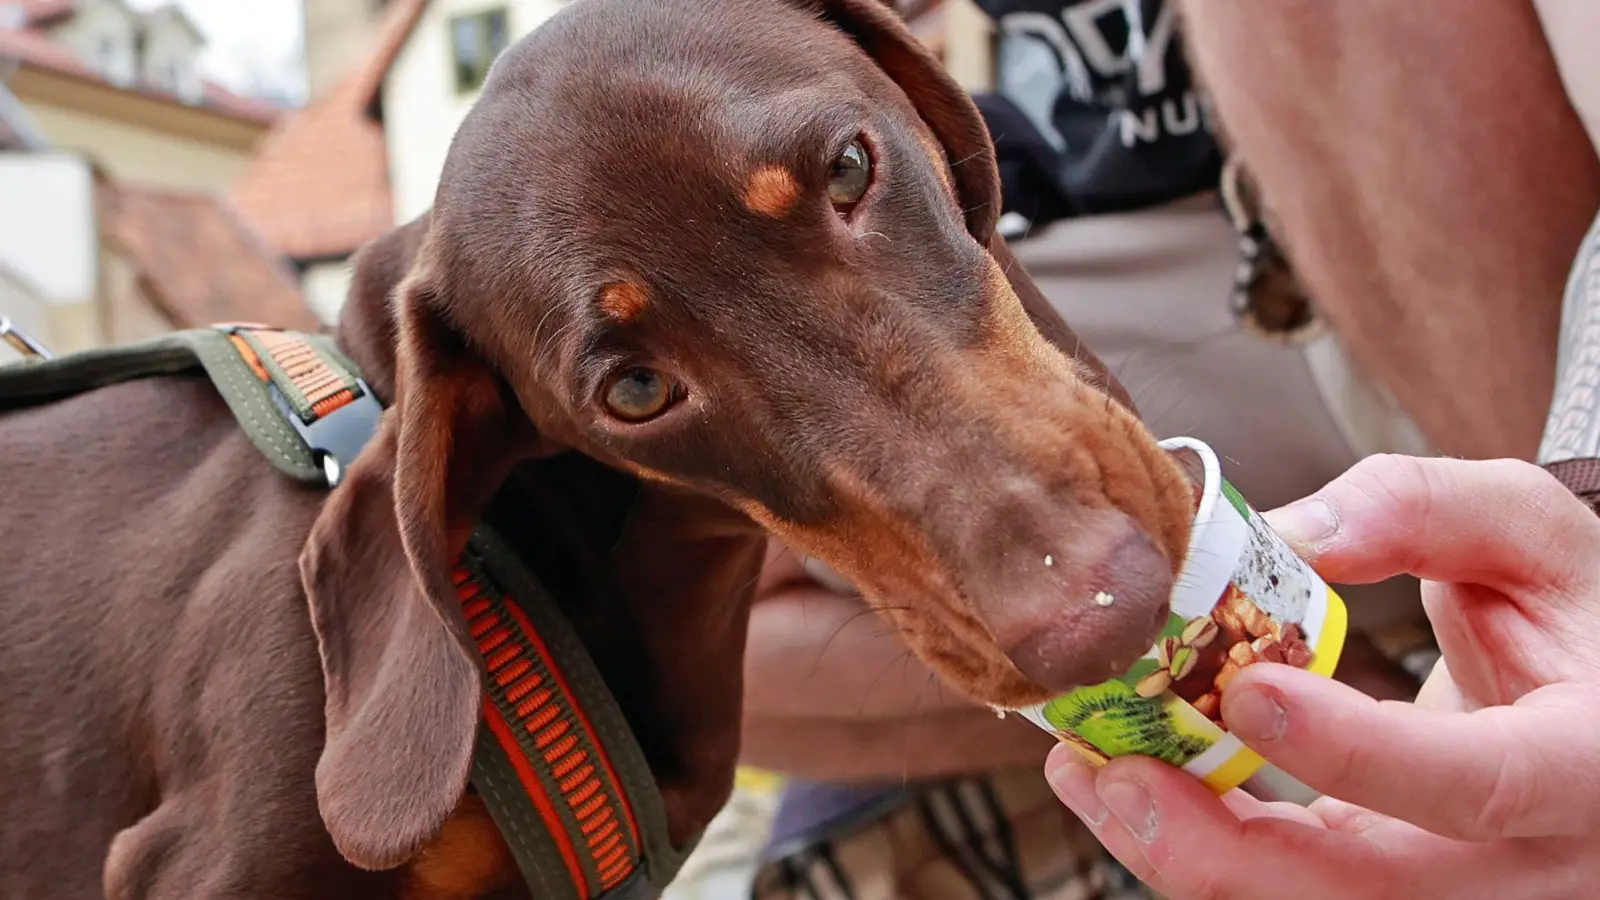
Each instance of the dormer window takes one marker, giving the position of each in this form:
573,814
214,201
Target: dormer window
114,59
475,40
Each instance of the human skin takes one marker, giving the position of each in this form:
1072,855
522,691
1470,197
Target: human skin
1430,179
1487,787
832,694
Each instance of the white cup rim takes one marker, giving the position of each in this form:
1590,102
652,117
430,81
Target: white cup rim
1210,494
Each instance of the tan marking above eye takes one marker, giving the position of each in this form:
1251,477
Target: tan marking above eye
624,301
772,191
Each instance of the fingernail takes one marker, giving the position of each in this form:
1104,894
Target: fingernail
1073,782
1254,714
1131,805
1304,522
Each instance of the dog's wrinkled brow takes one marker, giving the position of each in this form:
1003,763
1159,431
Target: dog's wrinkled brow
775,127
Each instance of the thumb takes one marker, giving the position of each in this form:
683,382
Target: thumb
1503,524
1524,770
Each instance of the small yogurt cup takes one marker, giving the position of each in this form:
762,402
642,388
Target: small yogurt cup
1242,597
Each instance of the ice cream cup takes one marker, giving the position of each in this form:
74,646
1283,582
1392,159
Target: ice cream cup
1242,596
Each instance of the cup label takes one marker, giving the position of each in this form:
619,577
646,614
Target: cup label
1243,596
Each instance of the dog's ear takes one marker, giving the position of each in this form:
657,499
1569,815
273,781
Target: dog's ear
939,100
403,683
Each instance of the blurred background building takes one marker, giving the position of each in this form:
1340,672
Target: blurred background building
115,158
138,195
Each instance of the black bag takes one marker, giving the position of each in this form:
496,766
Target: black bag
1095,109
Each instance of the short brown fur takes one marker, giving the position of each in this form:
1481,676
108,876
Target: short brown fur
274,694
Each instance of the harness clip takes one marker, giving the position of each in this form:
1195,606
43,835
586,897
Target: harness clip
335,438
23,342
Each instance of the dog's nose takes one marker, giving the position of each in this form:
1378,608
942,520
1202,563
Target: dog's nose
1087,612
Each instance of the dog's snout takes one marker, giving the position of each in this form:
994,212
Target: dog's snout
1085,610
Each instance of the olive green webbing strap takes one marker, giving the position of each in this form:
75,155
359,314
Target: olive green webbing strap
554,736
204,350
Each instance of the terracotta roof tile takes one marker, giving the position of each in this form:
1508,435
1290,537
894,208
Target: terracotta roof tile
319,185
199,261
36,48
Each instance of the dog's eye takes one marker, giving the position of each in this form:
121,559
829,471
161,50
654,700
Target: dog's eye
637,394
851,174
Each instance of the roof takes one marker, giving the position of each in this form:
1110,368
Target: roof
198,260
39,13
319,184
176,13
33,47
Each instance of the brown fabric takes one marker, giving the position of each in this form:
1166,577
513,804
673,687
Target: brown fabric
1581,476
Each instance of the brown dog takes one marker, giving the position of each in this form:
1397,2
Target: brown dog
697,270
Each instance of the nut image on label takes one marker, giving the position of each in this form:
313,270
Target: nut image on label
1242,598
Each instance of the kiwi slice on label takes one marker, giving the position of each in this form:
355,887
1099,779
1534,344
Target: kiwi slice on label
1114,718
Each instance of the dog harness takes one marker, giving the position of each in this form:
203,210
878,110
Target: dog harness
556,764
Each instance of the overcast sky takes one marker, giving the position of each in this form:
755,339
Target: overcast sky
253,45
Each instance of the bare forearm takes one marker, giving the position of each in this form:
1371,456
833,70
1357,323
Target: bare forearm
1431,183
814,654
928,746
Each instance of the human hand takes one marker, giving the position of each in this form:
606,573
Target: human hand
1488,786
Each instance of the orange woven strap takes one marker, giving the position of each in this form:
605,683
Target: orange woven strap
314,384
321,397
540,766
538,743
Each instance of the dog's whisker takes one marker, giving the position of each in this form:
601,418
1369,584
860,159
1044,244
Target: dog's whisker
867,611
867,694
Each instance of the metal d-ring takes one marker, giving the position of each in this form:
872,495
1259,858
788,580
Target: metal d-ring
23,342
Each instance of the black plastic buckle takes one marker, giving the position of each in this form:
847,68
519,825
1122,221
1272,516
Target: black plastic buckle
335,439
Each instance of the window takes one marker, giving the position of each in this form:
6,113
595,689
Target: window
112,59
475,40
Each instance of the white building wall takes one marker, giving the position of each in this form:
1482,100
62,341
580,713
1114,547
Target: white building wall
421,106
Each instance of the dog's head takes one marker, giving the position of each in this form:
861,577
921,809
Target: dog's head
745,250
